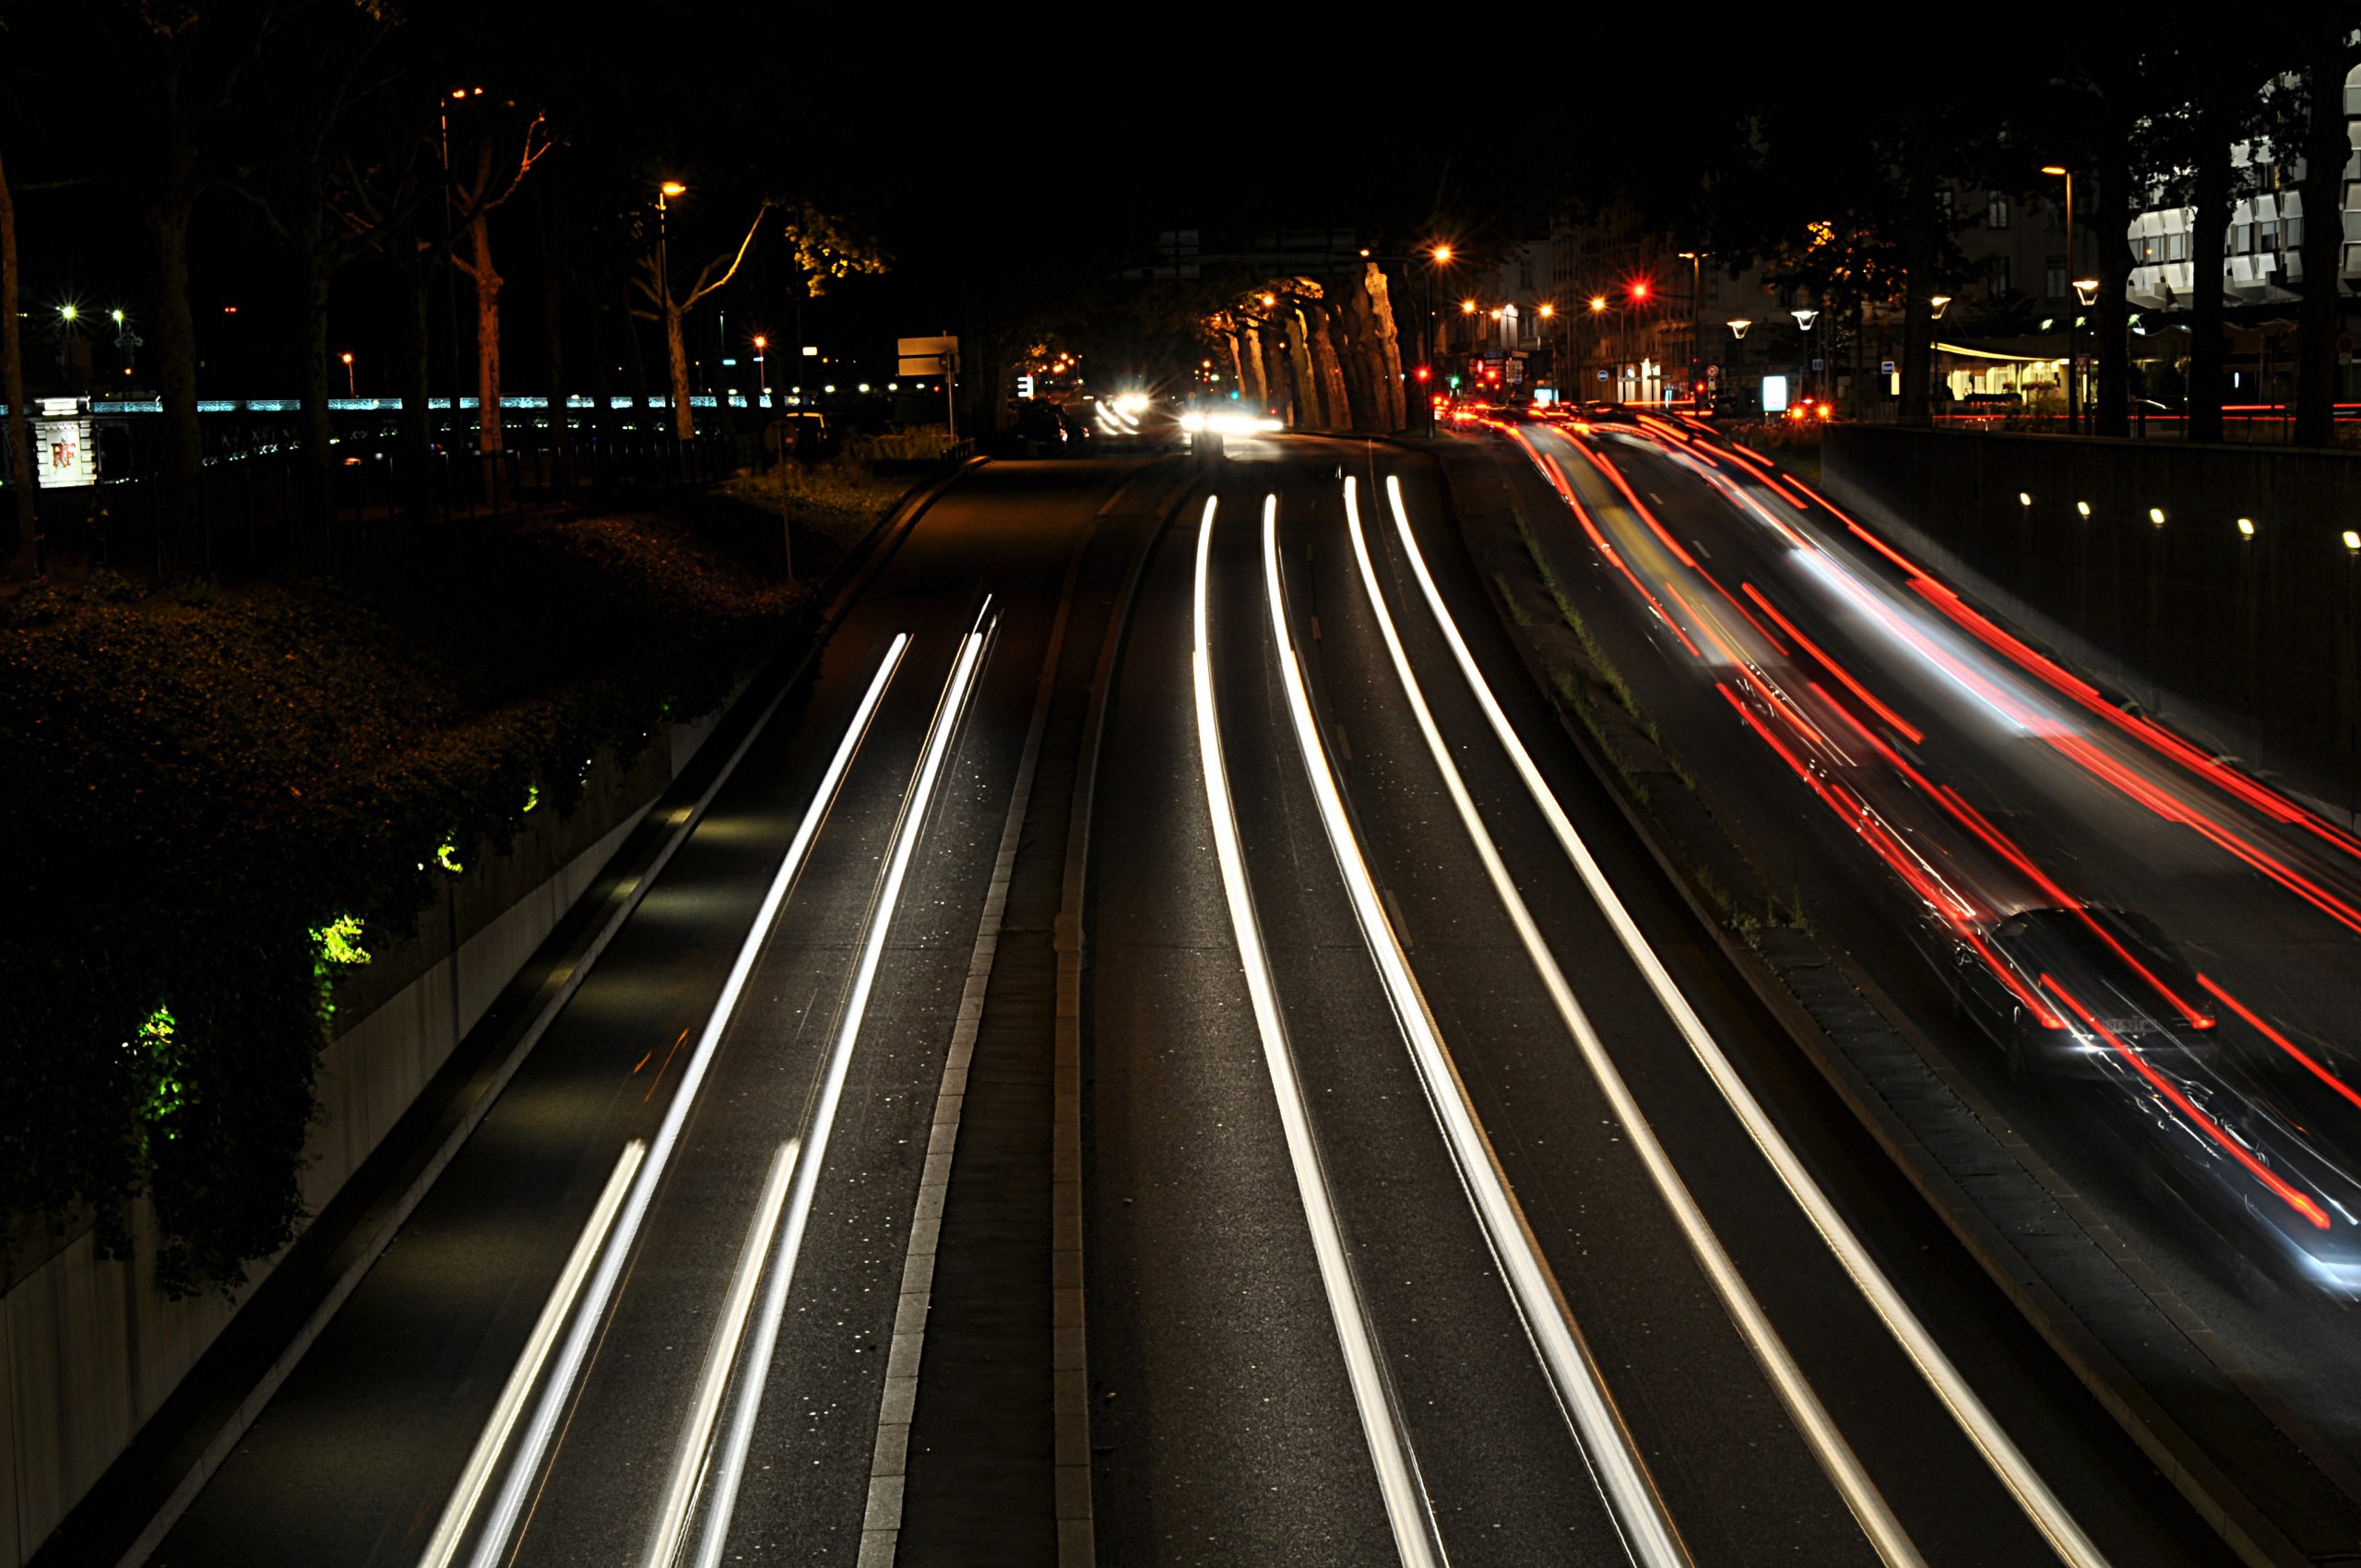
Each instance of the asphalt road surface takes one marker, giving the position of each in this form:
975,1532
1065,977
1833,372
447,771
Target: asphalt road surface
1425,1220
1229,1427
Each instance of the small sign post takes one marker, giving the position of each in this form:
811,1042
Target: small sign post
933,356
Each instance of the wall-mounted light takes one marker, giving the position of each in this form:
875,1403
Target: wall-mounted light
2023,499
2353,541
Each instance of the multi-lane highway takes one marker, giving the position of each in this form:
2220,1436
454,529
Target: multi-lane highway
1451,1195
1447,1196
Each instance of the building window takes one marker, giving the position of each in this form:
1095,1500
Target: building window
1943,204
1995,277
1523,273
1996,210
2053,278
2176,247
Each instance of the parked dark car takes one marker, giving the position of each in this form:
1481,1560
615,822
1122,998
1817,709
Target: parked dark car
1039,429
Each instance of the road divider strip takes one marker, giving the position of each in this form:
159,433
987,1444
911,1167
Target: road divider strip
1811,1419
1648,1534
493,1545
728,1466
2008,1463
1409,1513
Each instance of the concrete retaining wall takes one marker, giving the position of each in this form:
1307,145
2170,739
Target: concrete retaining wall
2251,642
89,1349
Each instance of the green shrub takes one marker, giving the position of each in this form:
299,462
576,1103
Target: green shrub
218,800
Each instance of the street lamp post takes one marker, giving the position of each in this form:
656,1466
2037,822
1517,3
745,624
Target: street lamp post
348,383
762,370
1547,311
2073,399
1696,260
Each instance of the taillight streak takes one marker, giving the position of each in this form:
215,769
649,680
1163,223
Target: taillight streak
2188,1108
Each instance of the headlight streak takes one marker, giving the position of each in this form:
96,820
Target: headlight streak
1417,1537
1649,1533
1811,1419
729,1465
2015,1472
444,1546
493,1546
696,1434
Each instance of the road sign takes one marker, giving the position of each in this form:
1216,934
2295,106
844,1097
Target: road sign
1025,387
929,356
1885,367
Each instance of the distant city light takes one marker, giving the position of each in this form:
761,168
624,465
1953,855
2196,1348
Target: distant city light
2246,528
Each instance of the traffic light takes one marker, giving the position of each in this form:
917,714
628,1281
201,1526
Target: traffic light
1423,373
1639,291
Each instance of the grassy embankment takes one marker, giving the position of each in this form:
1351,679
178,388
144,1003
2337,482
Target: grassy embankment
220,797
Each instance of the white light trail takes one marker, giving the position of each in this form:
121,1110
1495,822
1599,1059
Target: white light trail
1407,1511
1631,1500
492,1545
2016,1473
696,1434
1835,1456
730,1462
444,1545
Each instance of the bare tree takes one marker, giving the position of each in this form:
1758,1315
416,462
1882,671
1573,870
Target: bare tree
671,307
502,160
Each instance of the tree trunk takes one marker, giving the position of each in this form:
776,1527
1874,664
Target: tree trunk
676,346
1305,380
1919,244
2208,238
1258,384
1387,346
2326,146
24,560
2113,341
487,280
1278,372
414,438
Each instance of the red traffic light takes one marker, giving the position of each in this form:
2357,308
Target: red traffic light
1640,289
1423,373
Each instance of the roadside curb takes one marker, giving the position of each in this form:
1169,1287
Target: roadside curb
2024,1228
384,1221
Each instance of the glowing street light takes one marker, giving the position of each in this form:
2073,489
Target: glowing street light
347,358
671,188
1940,303
1547,311
1468,307
1443,255
1598,304
1737,325
1804,317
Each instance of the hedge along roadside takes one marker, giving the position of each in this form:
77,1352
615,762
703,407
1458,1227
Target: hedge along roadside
221,800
